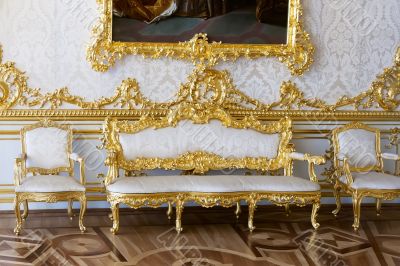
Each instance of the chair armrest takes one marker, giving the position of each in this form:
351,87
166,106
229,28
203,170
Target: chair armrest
345,168
318,160
75,157
312,161
18,169
390,156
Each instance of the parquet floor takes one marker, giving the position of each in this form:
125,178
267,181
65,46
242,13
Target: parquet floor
210,237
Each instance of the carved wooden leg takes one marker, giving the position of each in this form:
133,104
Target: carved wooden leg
356,210
378,207
170,210
179,210
26,210
314,214
18,227
336,192
115,214
252,207
287,209
83,203
70,212
110,216
238,210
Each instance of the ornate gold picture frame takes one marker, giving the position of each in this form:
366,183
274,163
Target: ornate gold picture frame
297,53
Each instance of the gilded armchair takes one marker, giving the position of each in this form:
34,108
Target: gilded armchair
358,163
46,153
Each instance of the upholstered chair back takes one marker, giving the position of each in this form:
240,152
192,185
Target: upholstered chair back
46,147
360,144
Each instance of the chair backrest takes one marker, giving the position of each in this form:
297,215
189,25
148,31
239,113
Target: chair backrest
360,144
198,141
46,146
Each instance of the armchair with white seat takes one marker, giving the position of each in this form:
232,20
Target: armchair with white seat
46,153
358,163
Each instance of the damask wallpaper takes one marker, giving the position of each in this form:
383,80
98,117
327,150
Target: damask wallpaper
354,40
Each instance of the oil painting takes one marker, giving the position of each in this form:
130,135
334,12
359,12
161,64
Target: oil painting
226,21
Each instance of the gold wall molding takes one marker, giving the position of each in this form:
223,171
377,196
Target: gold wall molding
297,54
204,84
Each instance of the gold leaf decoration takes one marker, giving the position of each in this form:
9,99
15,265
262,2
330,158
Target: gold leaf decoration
204,85
297,54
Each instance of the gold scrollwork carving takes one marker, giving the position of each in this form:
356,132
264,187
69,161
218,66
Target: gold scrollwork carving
297,54
203,85
200,162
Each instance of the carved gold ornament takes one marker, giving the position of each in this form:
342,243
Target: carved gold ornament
204,84
297,54
200,162
21,197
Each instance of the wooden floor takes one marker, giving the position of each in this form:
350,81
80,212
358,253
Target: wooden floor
210,237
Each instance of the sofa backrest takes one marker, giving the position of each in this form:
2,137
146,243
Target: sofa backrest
187,139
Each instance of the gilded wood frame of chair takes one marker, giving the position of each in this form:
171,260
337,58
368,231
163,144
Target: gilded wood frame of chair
21,170
344,168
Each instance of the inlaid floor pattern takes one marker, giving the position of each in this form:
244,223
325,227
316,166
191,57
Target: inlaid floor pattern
210,237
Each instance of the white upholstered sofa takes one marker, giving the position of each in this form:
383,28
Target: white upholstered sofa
358,163
195,142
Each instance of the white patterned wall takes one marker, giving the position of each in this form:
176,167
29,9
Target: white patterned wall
355,39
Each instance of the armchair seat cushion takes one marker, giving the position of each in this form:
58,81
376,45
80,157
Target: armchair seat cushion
50,183
373,180
211,184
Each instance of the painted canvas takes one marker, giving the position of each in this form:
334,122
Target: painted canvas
228,21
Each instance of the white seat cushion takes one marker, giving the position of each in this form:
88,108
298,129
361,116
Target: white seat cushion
211,184
373,180
49,183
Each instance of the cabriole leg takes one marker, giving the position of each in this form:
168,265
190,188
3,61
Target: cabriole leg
115,214
356,210
83,203
287,209
170,210
252,208
314,214
26,210
336,192
179,210
70,212
18,227
238,210
378,206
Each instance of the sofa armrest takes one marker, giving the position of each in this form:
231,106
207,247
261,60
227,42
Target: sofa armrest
113,169
312,161
75,157
391,156
18,173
